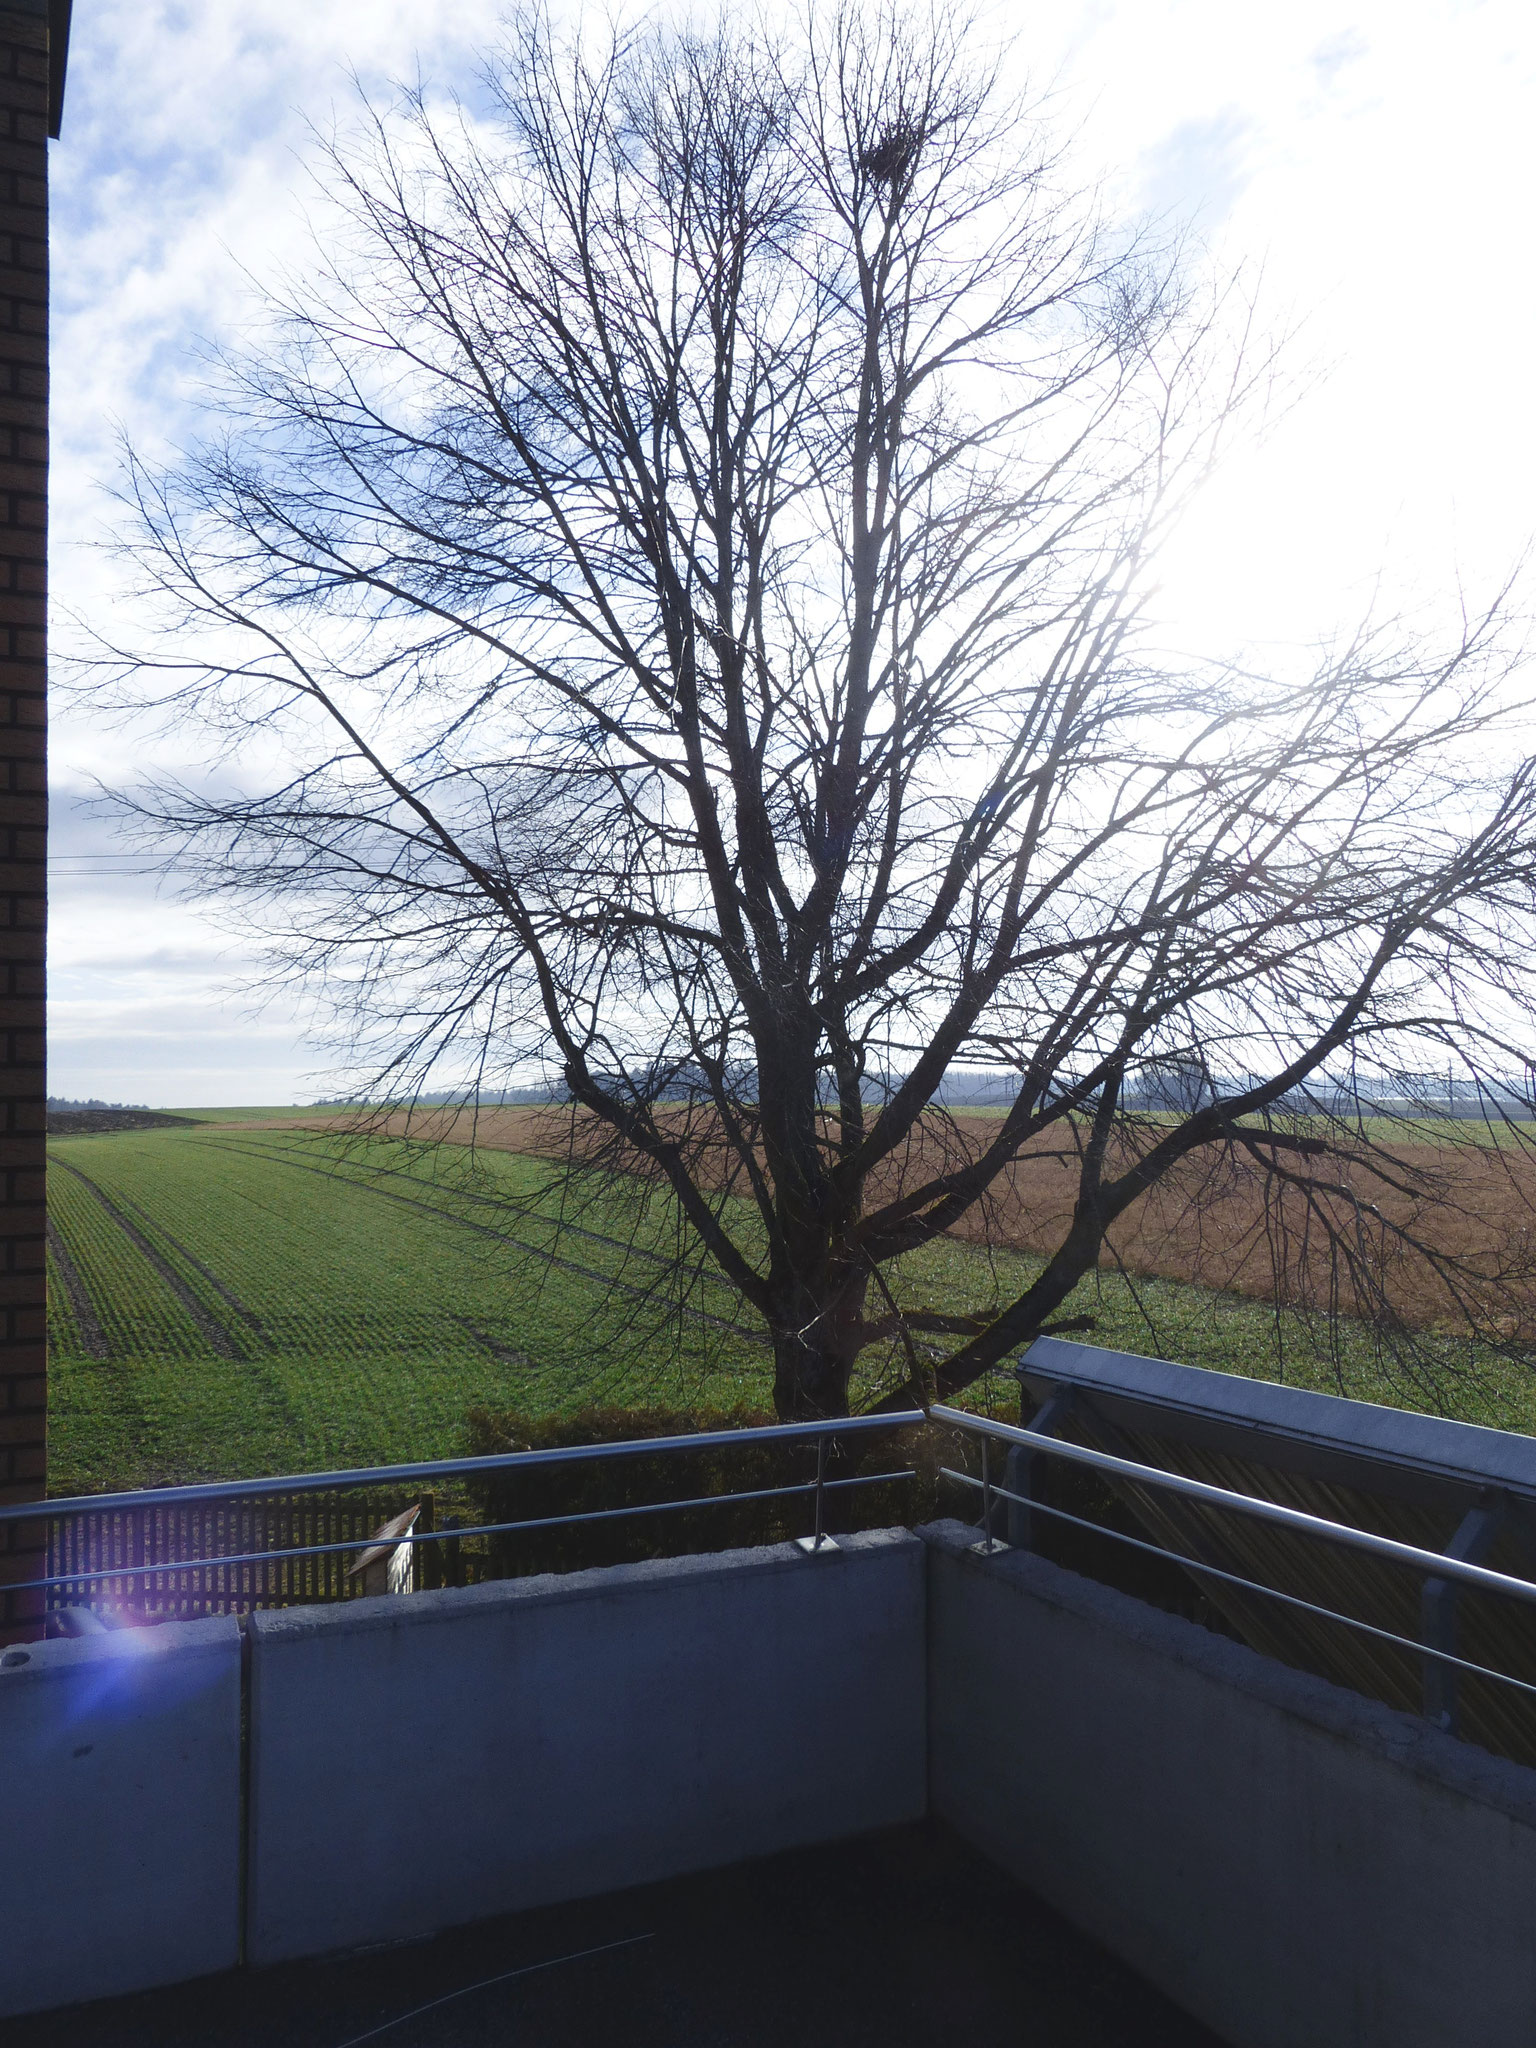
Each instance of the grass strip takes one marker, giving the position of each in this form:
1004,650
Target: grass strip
92,1336
218,1337
505,1237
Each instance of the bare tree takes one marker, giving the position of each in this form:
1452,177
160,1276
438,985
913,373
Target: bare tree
685,547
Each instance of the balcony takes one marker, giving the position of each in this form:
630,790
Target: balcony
904,1787
900,1940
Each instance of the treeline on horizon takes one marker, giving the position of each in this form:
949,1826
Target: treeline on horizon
1176,1086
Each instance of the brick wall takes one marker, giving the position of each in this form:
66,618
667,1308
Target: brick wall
26,97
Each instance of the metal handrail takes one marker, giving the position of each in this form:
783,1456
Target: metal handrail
377,1475
785,1432
1409,1554
1195,1564
818,1486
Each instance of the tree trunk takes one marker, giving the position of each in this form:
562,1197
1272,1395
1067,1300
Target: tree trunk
815,1345
810,1381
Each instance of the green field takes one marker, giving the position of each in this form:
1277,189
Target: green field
237,1301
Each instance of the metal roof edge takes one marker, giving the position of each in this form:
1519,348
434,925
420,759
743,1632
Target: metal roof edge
1458,1451
59,12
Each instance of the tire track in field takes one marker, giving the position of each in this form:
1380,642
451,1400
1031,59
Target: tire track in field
502,1236
507,1353
497,1202
365,1177
225,1293
87,1322
212,1329
499,1236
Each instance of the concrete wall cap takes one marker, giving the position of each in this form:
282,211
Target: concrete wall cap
219,1632
287,1624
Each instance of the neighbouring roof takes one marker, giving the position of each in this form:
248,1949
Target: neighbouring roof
1409,1476
1419,1457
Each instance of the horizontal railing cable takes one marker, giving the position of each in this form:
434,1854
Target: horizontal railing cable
1213,1571
1409,1554
219,1562
448,1468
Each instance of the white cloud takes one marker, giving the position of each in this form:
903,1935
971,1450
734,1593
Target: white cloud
1374,159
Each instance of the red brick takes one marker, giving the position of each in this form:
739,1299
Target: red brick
18,1288
23,786
28,351
24,288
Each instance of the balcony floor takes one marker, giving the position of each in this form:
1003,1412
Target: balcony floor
899,1940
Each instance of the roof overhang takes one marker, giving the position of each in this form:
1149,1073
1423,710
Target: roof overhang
56,13
59,12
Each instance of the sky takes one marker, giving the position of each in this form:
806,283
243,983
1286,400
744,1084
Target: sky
1372,164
